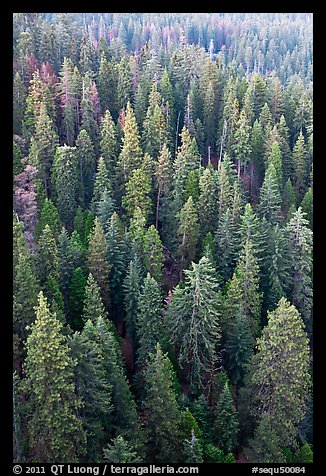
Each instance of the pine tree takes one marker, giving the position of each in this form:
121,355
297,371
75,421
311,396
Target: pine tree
131,154
97,261
125,421
163,415
280,384
193,319
120,451
46,140
149,319
154,132
131,287
207,203
226,245
25,291
76,297
93,304
153,253
242,146
275,159
243,290
225,425
86,164
300,166
163,175
239,347
97,397
49,215
47,262
265,446
108,143
188,232
300,248
55,430
115,258
289,197
65,183
270,198
138,190
102,183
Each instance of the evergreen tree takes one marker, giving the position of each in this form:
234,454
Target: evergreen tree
193,450
108,143
242,146
138,190
265,446
93,305
49,215
102,183
47,262
207,203
300,248
188,232
149,319
243,290
225,425
86,165
163,415
300,166
153,253
154,133
55,430
193,317
279,383
239,347
131,287
76,297
120,451
270,198
97,397
226,245
163,175
65,183
97,261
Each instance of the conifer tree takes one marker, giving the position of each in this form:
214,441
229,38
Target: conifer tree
47,256
86,164
108,143
242,146
93,304
163,418
154,132
153,253
65,183
25,291
280,384
131,288
97,397
270,198
307,206
149,319
300,166
76,297
163,175
49,215
125,420
193,319
239,347
193,450
226,245
207,203
131,154
300,248
188,232
115,258
265,446
97,261
120,451
138,190
225,425
102,183
55,429
243,290
289,197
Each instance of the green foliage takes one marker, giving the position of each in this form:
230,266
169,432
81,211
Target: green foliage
163,415
120,451
193,316
225,424
93,305
55,429
153,253
76,297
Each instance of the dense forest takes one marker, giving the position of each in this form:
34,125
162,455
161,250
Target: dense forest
162,226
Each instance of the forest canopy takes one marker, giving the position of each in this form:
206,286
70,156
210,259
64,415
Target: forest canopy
162,237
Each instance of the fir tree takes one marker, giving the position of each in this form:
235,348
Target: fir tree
153,253
86,165
76,297
149,319
93,304
225,425
102,183
163,415
120,451
188,232
97,262
131,287
193,317
55,430
280,384
108,143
